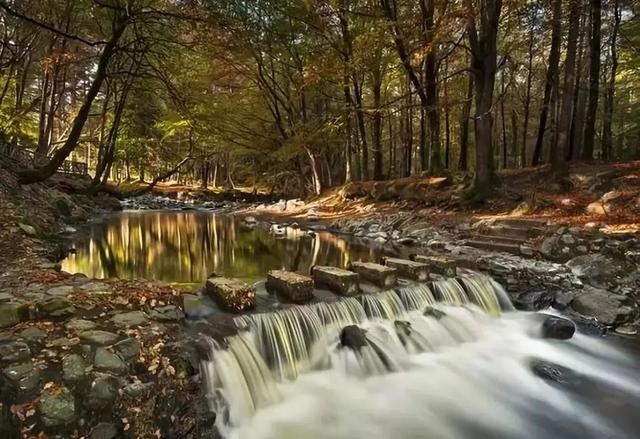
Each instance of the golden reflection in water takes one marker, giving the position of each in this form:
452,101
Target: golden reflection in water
185,247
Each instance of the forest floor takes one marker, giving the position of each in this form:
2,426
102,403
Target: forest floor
108,357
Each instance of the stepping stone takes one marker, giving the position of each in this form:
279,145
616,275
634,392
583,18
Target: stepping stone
514,249
293,287
80,325
410,269
438,264
343,282
106,361
12,313
99,338
384,277
232,295
61,291
128,319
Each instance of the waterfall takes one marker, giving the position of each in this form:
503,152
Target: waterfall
434,344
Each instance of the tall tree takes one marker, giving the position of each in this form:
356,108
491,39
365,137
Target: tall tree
594,80
607,137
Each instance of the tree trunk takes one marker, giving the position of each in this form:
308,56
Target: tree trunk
559,155
39,174
377,120
464,125
315,171
551,79
594,80
579,99
607,138
527,98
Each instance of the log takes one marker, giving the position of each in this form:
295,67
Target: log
293,287
232,295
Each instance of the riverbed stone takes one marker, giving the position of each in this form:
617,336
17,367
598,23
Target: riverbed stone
62,290
605,307
128,349
14,351
381,275
107,361
98,337
27,229
128,319
558,328
232,295
80,325
191,305
136,390
55,307
33,335
596,267
57,408
407,268
24,379
343,282
74,369
167,313
104,430
293,287
533,301
5,297
103,392
353,337
438,264
11,313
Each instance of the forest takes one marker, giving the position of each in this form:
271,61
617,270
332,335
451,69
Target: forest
298,96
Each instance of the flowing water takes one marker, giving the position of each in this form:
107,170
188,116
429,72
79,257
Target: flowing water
186,246
449,359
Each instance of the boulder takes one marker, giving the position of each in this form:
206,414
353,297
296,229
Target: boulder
558,328
343,282
74,369
384,277
55,307
98,337
232,295
293,287
12,313
23,378
103,392
57,408
128,349
33,335
407,268
533,301
556,373
605,307
353,337
595,267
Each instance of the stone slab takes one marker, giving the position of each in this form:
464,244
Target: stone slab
438,264
409,269
380,275
293,287
343,282
232,295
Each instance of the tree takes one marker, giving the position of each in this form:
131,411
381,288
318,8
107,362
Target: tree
594,80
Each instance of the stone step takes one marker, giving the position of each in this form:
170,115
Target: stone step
380,275
514,232
407,268
522,222
343,282
437,264
500,239
495,246
293,287
232,295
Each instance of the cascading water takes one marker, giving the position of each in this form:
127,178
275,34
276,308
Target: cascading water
430,360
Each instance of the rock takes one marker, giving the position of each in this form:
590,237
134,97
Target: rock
12,313
232,295
104,430
33,335
353,337
605,307
407,241
103,392
57,408
27,229
384,277
598,208
582,249
107,361
5,297
55,307
136,390
533,301
62,290
343,282
69,229
556,373
99,338
594,267
438,264
549,246
128,349
191,305
410,269
293,287
525,250
167,313
250,220
128,319
14,351
562,299
23,378
80,325
74,369
558,328
434,313
568,239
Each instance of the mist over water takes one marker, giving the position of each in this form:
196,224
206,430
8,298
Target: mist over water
468,374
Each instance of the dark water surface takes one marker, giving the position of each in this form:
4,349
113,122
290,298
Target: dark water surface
186,246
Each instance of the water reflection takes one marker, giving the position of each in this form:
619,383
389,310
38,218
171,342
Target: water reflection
185,247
